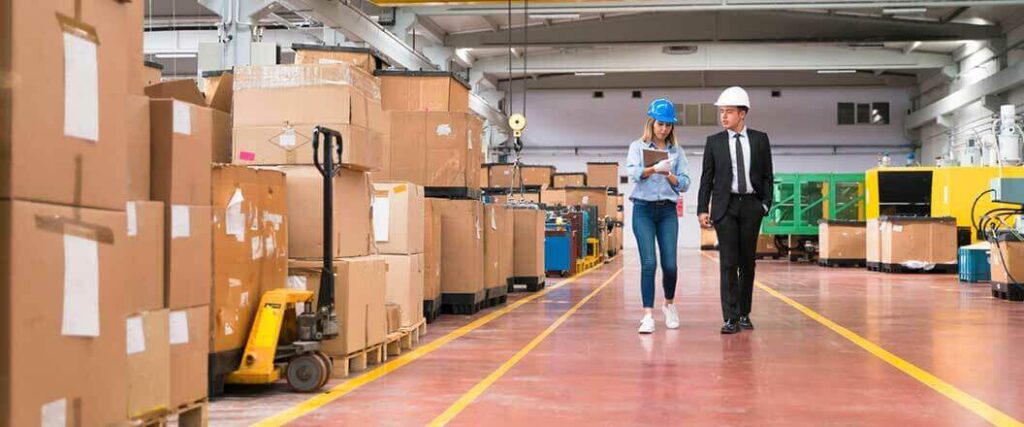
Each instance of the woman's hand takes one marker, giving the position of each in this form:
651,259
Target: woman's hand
648,172
672,179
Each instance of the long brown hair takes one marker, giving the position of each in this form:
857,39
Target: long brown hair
670,140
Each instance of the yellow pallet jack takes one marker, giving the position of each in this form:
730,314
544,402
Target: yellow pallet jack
283,341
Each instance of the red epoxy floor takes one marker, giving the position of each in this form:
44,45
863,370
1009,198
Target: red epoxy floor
596,370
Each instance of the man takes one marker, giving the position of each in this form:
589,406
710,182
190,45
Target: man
737,181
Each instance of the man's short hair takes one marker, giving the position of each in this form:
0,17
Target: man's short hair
743,109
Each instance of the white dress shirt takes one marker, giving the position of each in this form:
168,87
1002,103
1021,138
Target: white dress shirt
745,143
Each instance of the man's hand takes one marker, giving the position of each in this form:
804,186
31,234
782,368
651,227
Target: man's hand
705,220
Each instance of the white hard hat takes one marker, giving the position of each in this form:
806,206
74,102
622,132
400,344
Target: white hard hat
733,97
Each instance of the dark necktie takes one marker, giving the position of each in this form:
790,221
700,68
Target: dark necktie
741,167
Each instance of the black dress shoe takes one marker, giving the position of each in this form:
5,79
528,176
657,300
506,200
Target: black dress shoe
745,323
730,327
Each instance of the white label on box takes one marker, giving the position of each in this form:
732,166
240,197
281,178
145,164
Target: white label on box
287,138
586,200
381,218
257,247
275,219
133,219
469,139
54,414
135,334
234,220
180,224
81,89
234,283
297,282
479,230
243,301
81,287
897,228
178,327
269,242
228,330
494,221
182,118
444,130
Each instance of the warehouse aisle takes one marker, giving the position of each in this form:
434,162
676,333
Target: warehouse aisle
594,369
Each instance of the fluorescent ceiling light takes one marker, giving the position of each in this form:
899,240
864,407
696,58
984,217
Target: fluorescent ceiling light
175,55
554,16
589,74
837,71
904,10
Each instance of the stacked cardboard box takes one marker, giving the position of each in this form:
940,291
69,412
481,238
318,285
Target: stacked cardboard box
498,249
433,140
431,261
528,245
462,251
842,242
530,196
1007,262
918,243
594,196
554,197
362,58
873,244
603,174
398,224
569,179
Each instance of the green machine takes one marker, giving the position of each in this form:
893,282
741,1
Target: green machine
802,199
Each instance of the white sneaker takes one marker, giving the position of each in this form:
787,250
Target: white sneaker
647,324
671,316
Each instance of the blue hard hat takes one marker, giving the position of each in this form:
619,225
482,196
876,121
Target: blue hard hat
662,110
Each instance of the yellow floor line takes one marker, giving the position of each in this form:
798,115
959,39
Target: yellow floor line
486,383
971,403
347,387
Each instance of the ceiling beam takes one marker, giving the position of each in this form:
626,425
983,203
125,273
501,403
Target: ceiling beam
752,26
701,79
995,84
494,7
491,22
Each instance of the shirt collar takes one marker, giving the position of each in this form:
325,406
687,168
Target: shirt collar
743,132
650,144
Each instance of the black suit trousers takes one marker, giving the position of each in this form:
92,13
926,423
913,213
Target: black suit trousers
737,246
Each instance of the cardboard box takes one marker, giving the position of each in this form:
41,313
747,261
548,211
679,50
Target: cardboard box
182,152
62,284
928,240
397,211
538,175
138,148
498,222
134,57
873,242
485,180
435,149
462,246
404,286
573,179
506,256
423,91
1007,256
188,271
499,175
603,174
394,314
594,196
766,245
842,240
152,73
250,248
145,242
553,197
63,126
359,298
184,90
285,144
189,330
432,240
528,196
362,58
528,260
149,362
219,91
353,227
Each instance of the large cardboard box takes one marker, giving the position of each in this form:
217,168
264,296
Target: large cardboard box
553,197
62,283
182,151
277,107
538,175
63,127
404,286
499,175
526,196
360,57
147,337
398,208
250,248
423,91
394,314
218,89
435,149
188,270
145,243
506,256
189,331
462,246
1007,256
184,90
353,228
138,148
528,244
485,180
594,196
873,242
603,174
498,225
842,240
927,240
359,298
432,240
569,179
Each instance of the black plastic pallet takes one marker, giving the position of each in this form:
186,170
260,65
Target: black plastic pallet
899,269
462,303
767,255
496,296
220,365
873,266
533,284
842,263
431,309
1008,291
453,193
559,273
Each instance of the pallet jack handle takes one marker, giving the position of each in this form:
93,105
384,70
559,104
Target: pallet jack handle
329,167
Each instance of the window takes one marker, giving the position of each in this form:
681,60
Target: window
708,115
875,113
693,115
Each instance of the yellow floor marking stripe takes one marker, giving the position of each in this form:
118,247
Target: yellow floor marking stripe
486,383
314,403
971,403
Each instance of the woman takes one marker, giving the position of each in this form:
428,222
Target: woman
655,192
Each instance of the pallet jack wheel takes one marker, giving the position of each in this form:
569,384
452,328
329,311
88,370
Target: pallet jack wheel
306,373
329,363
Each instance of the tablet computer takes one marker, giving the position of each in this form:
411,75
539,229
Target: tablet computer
653,156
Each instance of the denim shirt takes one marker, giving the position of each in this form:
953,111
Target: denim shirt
656,187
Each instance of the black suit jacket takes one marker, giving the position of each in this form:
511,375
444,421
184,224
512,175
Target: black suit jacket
716,178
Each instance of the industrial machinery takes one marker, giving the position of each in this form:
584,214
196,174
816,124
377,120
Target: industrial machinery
561,247
803,199
1001,226
284,340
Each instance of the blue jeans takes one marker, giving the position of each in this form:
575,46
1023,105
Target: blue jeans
656,220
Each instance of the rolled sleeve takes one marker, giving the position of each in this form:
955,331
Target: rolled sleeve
634,163
681,168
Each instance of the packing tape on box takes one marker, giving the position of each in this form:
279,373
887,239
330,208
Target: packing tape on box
234,219
234,283
81,315
181,226
270,245
135,335
133,219
275,219
443,129
178,327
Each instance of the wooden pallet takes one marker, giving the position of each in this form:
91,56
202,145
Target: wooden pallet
357,361
404,339
193,414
